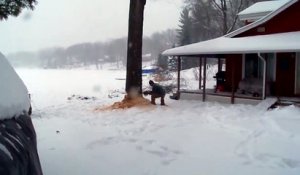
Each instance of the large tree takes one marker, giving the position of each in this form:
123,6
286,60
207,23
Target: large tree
134,47
14,7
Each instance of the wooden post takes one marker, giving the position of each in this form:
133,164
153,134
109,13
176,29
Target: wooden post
178,74
233,82
204,81
219,65
264,75
200,73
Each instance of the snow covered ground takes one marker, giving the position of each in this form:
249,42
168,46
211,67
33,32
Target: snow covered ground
185,137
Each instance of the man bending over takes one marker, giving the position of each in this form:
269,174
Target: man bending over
157,91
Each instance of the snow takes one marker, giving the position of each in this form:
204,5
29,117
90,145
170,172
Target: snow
289,42
190,82
184,137
14,99
265,6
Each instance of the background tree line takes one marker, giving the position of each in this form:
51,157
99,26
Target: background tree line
94,54
199,20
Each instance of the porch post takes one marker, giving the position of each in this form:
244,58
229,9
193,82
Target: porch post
265,79
178,74
264,76
219,65
200,72
204,81
232,82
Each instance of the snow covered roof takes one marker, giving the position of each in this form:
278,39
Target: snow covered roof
282,42
14,99
262,20
261,9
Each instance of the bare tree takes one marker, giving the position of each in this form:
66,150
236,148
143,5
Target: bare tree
228,13
215,17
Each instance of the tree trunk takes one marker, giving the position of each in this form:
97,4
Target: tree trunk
134,47
225,18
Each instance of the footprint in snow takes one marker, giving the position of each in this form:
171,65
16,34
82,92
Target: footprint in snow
166,154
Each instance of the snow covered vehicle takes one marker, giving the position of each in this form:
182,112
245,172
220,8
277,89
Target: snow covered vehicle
18,146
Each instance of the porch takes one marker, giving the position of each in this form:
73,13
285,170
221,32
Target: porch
211,95
255,69
228,87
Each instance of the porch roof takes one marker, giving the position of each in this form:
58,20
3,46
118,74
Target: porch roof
273,43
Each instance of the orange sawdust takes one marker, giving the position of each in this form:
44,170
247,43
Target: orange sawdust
126,103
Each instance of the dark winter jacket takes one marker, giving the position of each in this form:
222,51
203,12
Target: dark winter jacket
18,147
157,89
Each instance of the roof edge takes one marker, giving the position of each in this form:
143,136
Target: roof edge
253,16
196,50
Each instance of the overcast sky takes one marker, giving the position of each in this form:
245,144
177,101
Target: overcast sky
67,22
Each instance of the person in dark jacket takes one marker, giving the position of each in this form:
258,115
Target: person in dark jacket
157,92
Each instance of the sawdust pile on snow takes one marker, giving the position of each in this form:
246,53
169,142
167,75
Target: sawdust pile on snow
127,103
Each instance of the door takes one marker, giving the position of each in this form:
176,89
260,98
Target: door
285,74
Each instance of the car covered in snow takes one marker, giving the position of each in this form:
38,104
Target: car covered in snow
18,145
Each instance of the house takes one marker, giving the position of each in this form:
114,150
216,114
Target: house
262,58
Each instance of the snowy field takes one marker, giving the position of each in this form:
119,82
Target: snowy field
183,138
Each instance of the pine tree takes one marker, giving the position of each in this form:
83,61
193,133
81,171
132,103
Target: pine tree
14,7
185,28
185,33
162,62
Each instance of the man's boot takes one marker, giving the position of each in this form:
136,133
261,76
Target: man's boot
162,101
153,100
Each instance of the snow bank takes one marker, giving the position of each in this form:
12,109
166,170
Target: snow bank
14,99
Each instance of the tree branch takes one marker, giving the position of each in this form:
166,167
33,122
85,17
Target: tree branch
217,5
236,17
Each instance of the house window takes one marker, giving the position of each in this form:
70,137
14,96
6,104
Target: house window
271,64
298,74
253,66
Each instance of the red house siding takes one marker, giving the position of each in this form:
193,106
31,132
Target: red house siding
285,74
233,63
286,21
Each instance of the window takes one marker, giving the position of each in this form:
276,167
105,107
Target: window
298,74
271,64
253,66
